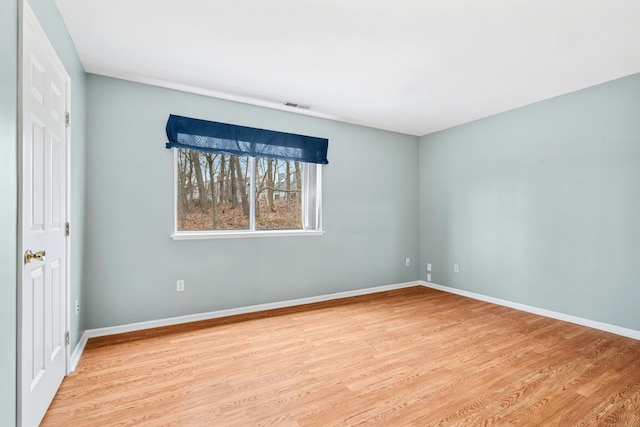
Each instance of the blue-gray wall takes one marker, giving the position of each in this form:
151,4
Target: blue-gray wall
8,207
541,205
370,213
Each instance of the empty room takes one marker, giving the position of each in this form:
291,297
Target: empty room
320,213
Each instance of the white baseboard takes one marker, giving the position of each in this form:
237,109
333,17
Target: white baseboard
618,330
132,327
77,352
91,333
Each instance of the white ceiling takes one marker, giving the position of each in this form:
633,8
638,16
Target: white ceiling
411,66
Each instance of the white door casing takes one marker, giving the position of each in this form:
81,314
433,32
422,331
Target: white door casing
44,207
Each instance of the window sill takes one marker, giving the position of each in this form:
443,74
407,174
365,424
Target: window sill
235,234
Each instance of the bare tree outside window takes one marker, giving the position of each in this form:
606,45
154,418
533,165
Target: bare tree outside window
278,195
213,193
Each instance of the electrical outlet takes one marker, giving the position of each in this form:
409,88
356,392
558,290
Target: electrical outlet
407,262
180,286
456,268
428,277
77,307
429,266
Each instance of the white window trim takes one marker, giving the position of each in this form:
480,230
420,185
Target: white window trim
243,234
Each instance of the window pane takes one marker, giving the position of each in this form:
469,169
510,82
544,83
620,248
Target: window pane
278,194
213,191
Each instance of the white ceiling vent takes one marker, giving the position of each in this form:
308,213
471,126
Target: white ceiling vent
296,105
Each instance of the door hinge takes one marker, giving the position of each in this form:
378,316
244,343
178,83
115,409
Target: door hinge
66,338
66,229
67,119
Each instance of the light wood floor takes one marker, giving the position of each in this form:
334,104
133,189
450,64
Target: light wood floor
414,357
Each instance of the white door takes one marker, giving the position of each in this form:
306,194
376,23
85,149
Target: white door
44,206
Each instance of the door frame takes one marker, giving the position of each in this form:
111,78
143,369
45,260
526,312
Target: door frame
26,15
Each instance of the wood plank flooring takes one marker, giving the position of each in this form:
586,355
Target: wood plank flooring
410,357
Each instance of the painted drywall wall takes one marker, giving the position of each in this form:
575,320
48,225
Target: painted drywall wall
370,213
540,205
8,207
49,17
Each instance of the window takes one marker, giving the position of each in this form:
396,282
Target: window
227,192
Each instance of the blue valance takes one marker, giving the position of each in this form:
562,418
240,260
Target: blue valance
215,137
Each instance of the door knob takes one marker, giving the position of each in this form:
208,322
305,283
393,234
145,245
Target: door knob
28,256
